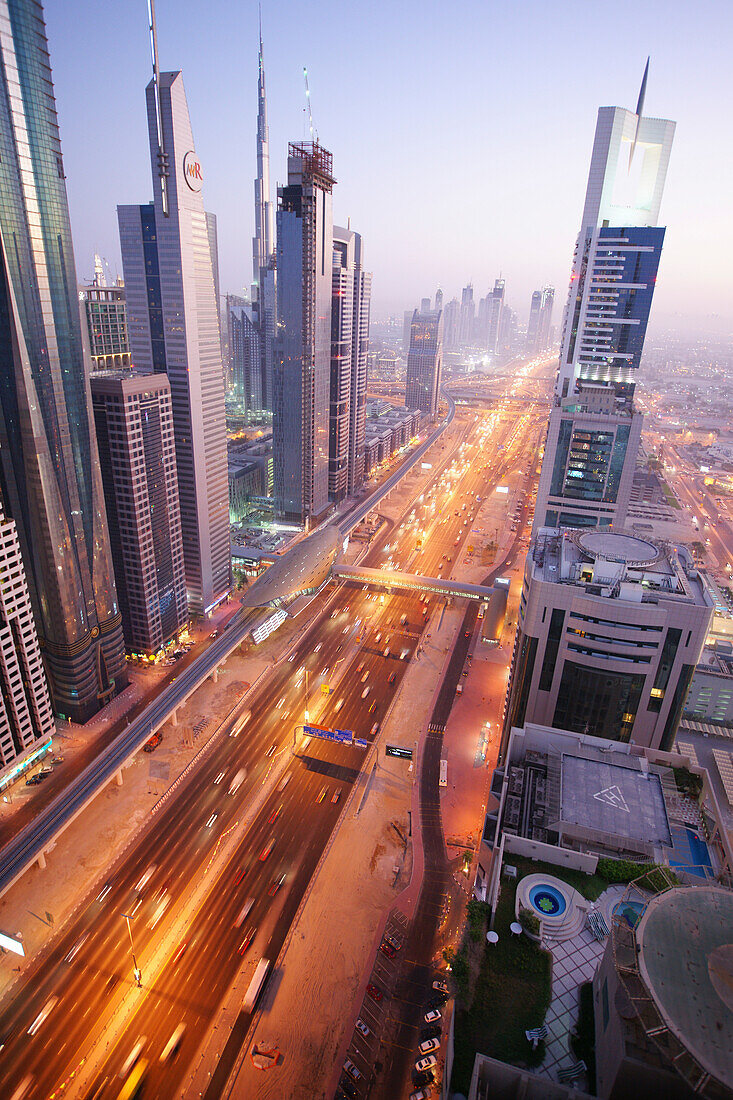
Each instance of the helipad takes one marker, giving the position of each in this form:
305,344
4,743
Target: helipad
617,546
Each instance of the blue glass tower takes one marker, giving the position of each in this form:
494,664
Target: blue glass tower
49,467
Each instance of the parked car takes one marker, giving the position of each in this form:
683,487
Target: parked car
429,1045
423,1064
374,992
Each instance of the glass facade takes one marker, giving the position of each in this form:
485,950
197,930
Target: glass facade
49,466
599,703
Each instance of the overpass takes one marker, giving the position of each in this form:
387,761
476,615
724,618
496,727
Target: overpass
477,396
36,838
395,581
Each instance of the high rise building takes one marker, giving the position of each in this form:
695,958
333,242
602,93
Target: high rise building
26,714
264,274
349,353
245,361
212,232
495,309
545,329
425,362
406,326
611,626
533,324
49,468
104,327
465,331
134,423
173,319
594,429
425,305
302,359
451,322
438,299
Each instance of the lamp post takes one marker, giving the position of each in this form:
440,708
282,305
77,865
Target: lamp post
136,969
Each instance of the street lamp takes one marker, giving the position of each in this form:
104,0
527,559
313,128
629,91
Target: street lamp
136,969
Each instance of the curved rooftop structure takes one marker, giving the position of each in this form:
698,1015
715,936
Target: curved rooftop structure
301,570
618,546
684,964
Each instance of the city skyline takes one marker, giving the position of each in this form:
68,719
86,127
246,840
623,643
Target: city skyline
539,140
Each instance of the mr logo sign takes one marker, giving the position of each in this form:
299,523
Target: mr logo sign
192,171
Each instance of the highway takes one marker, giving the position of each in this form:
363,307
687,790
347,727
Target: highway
85,978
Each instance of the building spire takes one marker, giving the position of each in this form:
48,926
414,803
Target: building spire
263,240
163,169
639,111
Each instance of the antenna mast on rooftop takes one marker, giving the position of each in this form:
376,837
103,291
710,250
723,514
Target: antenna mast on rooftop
163,170
308,102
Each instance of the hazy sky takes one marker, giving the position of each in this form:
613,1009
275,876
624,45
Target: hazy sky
461,133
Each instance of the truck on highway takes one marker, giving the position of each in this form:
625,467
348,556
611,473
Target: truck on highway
255,986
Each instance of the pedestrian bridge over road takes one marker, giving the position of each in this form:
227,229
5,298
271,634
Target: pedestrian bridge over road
392,580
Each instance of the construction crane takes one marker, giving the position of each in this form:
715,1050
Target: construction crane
308,102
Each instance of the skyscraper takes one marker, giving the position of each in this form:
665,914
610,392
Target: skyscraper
349,352
104,327
451,320
134,425
245,362
544,328
496,306
425,305
174,328
533,324
302,359
264,275
425,362
438,299
465,331
49,469
594,429
26,715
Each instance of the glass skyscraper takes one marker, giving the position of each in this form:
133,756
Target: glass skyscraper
425,362
49,468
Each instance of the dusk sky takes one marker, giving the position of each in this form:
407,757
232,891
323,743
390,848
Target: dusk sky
461,134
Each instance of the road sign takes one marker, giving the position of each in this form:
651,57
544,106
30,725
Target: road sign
343,737
398,750
326,689
361,743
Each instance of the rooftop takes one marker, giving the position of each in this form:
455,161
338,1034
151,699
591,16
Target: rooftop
686,963
618,565
301,569
615,799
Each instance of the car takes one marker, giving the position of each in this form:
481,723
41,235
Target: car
339,705
360,668
244,912
322,794
429,1045
365,692
267,850
374,992
76,948
346,630
351,1069
276,884
420,1094
33,781
378,637
466,633
318,648
423,1064
390,939
292,657
372,708
284,782
336,795
392,677
240,873
432,1016
275,814
214,634
272,748
387,949
362,1027
43,1014
219,778
347,1087
211,821
180,952
174,1043
145,877
440,985
104,891
250,935
365,677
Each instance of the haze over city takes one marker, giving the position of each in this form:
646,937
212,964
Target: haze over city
461,136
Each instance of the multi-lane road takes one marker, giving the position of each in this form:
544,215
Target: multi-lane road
82,995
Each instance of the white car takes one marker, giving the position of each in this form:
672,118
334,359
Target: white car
423,1064
432,1016
428,1046
362,1027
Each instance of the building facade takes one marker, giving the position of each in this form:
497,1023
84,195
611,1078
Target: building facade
494,316
610,629
540,320
302,369
26,714
104,327
611,288
133,416
264,271
173,320
425,362
342,318
245,360
49,468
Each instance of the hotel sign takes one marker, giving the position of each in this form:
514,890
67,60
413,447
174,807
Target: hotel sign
192,171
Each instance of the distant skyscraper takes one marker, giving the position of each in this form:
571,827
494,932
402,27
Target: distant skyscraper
264,305
438,299
302,366
594,430
49,468
174,328
104,327
545,321
359,359
342,317
465,332
533,324
482,322
245,361
425,362
496,306
134,424
212,232
451,322
406,326
425,305
26,715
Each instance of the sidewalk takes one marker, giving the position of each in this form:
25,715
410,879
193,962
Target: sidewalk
365,872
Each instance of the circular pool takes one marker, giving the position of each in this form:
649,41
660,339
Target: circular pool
547,900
